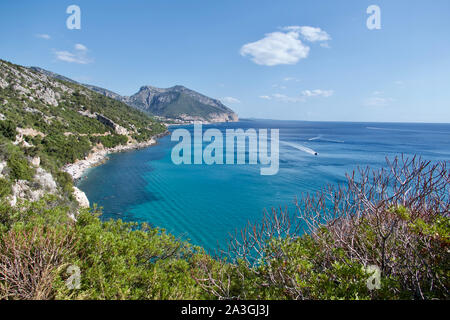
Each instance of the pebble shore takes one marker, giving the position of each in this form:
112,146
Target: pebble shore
99,155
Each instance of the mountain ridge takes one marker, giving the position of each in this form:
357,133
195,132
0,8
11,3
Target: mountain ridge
176,103
52,128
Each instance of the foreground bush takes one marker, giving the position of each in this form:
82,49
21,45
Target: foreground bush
39,242
397,220
29,261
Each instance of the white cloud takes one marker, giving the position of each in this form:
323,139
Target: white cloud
78,56
230,100
317,93
310,33
283,47
266,97
71,57
276,48
43,36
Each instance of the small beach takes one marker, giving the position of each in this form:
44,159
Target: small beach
99,155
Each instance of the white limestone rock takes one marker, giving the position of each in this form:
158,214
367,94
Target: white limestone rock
45,181
3,166
81,197
3,83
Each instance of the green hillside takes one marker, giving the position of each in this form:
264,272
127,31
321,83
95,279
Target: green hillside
177,102
370,238
59,122
184,104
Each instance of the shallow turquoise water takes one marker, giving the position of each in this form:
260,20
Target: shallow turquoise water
205,203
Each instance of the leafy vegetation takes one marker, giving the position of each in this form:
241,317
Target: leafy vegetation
117,260
321,252
18,166
70,115
5,188
8,129
110,141
394,220
184,104
66,149
397,220
20,169
56,121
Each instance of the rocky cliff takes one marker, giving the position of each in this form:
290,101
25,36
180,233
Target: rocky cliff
177,103
49,121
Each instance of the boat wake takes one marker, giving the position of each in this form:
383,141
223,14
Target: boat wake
300,147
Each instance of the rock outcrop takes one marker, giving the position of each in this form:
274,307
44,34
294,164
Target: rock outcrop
81,198
43,183
179,102
109,123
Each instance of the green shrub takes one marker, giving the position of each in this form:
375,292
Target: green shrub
110,141
325,249
126,261
8,129
65,181
117,260
5,188
20,168
66,149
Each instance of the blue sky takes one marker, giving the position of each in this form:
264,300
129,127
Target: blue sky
305,60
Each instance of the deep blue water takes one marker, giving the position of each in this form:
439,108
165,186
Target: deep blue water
205,203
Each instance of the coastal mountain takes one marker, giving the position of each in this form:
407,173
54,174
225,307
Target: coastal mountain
175,103
179,102
48,122
52,128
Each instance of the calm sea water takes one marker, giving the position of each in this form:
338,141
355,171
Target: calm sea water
205,203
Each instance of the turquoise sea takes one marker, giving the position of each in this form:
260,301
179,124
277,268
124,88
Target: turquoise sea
205,203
